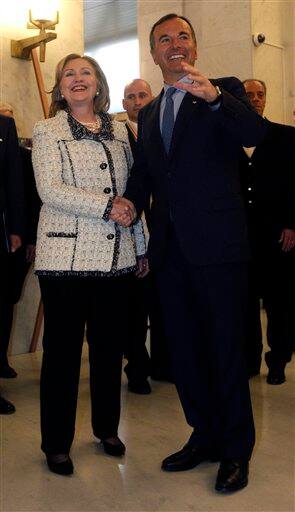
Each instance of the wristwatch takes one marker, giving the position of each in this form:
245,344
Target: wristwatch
217,99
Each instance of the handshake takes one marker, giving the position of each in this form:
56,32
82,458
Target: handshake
123,211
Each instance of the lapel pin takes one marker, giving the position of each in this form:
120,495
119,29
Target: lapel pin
194,101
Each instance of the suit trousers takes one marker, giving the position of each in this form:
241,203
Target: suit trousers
71,303
13,270
135,351
277,277
204,313
146,303
160,358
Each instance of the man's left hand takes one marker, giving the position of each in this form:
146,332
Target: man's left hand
287,239
200,86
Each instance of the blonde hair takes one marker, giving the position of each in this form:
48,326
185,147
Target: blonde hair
101,102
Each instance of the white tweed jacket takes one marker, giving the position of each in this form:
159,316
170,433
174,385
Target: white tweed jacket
77,175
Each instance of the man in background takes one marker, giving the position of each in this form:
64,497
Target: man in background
20,261
11,219
268,185
137,94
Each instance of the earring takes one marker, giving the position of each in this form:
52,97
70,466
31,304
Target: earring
62,96
97,93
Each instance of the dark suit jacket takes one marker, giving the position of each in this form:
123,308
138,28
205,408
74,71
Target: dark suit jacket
133,145
268,186
132,140
33,201
197,185
11,184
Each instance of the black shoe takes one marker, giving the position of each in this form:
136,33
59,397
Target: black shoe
232,475
141,387
276,376
59,464
116,449
187,458
6,407
6,372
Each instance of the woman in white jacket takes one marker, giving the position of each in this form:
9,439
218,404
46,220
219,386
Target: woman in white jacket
84,259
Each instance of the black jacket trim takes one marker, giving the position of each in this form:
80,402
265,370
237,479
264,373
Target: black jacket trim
86,273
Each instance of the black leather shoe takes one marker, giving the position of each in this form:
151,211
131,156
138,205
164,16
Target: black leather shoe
6,407
187,458
276,376
141,387
116,449
232,475
61,464
6,372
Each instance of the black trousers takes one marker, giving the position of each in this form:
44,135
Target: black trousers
160,356
272,278
135,351
70,303
146,304
13,270
204,313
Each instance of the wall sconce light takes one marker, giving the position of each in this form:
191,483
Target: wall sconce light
22,48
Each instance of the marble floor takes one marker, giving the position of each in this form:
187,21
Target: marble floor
152,427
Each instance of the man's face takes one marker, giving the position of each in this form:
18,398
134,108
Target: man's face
256,94
136,95
173,44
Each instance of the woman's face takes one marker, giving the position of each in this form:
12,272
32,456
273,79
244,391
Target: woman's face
78,84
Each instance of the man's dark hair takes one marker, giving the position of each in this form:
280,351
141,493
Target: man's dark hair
167,17
256,80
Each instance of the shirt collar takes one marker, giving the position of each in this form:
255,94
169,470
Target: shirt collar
133,125
184,80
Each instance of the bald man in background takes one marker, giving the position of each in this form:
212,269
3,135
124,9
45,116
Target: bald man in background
268,186
137,94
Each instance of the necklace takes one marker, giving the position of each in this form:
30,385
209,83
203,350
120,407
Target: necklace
92,126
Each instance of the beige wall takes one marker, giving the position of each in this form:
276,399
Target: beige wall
274,61
18,87
224,31
17,80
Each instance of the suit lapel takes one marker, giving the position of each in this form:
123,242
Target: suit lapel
187,108
154,133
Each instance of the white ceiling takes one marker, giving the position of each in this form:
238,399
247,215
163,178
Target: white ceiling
106,20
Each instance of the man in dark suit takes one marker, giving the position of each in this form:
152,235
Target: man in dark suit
137,94
268,186
19,261
188,147
11,217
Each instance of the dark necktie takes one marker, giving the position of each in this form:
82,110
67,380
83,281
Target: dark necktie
168,119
